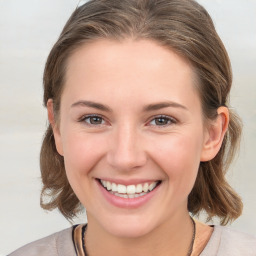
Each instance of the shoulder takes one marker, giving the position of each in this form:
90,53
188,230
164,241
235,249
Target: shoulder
59,243
228,242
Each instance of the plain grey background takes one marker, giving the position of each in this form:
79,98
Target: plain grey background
28,30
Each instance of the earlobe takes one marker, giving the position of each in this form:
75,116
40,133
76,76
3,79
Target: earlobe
215,133
55,127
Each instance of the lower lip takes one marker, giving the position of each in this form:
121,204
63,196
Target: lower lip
130,203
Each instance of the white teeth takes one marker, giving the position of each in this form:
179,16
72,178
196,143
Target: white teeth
129,191
128,196
114,187
152,186
121,189
109,185
139,188
145,187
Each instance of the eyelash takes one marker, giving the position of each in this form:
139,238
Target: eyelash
89,117
167,119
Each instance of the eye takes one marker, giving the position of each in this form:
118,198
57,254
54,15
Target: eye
93,120
162,121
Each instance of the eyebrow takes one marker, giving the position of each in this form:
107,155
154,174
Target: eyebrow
160,105
91,104
150,107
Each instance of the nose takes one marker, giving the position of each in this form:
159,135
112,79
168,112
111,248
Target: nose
127,150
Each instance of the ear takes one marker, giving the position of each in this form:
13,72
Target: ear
55,127
214,135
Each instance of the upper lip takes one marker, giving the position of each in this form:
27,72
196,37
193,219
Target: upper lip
129,182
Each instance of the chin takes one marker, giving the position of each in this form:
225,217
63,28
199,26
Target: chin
129,232
129,228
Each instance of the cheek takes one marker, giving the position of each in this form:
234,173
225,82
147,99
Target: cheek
81,155
81,152
179,157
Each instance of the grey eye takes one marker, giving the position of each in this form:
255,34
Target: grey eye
162,121
94,120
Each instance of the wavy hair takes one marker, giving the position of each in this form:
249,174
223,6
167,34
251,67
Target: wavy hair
186,28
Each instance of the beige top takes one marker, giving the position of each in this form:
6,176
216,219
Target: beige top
223,242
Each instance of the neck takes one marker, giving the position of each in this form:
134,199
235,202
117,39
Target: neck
171,238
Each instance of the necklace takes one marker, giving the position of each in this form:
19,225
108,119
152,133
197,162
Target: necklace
193,237
79,241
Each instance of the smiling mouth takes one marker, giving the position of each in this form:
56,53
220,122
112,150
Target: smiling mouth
130,191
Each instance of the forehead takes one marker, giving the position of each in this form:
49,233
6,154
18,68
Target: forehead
129,68
107,53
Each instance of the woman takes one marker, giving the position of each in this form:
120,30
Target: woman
140,133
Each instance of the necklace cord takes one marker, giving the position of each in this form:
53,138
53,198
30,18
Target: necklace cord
188,254
193,238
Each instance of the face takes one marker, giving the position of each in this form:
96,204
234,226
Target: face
132,135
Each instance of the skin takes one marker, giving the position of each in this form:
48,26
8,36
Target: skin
130,143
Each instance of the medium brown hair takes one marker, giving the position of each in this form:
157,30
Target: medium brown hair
185,27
